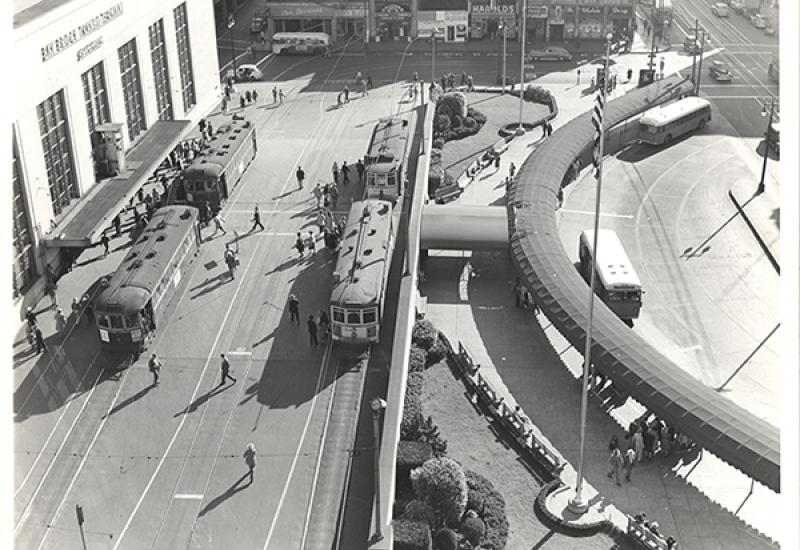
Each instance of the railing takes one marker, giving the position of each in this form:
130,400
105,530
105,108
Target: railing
643,536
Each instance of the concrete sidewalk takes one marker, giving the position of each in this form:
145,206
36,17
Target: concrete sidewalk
697,498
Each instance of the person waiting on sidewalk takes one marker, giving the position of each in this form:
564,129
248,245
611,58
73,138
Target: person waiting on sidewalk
629,460
155,367
615,464
294,309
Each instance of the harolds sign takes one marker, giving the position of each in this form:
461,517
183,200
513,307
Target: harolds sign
80,32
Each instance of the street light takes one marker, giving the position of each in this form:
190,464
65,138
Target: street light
760,188
520,129
434,30
502,27
231,24
377,405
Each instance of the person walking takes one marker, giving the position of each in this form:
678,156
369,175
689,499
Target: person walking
312,331
61,321
231,261
300,176
579,78
615,464
294,309
335,170
637,442
104,242
225,370
250,460
275,94
50,288
299,244
311,243
242,102
39,339
254,95
218,224
369,82
321,220
630,74
117,226
360,170
281,95
324,325
345,173
30,316
629,460
346,92
317,194
154,364
256,220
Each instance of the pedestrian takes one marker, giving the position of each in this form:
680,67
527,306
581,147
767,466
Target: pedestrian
300,176
250,459
463,78
415,76
61,321
39,339
311,243
661,67
339,99
202,125
218,223
345,173
256,220
320,220
225,370
275,95
346,92
360,170
281,95
637,442
629,461
324,324
334,195
205,213
241,101
512,170
497,163
117,226
470,85
592,82
231,261
50,289
294,309
299,244
254,96
312,331
248,97
369,82
335,170
155,367
104,242
579,78
615,464
630,74
317,191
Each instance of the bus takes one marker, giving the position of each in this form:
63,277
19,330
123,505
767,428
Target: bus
385,161
213,174
133,303
361,272
301,43
664,123
616,281
773,71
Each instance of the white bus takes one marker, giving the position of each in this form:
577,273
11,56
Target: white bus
301,43
617,283
664,123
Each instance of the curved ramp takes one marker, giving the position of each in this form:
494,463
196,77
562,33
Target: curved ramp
635,366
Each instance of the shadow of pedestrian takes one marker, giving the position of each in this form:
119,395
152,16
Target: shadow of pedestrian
232,490
218,281
135,397
194,405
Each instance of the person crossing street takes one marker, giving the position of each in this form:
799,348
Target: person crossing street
256,220
225,367
155,367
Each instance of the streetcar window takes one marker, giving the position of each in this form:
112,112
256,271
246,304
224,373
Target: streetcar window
369,316
102,321
132,320
338,315
371,180
353,317
116,321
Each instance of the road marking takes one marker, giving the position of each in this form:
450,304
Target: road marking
240,353
188,496
591,213
688,348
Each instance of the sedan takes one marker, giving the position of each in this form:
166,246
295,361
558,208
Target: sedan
551,53
720,71
248,73
758,21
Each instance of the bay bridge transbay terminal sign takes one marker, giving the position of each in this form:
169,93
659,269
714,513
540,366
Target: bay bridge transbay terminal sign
51,49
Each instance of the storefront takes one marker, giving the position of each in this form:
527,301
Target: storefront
536,25
621,20
301,18
556,20
392,20
486,15
449,17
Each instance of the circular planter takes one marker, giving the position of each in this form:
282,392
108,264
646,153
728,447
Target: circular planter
511,129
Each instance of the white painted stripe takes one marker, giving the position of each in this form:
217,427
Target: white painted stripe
590,213
240,353
188,496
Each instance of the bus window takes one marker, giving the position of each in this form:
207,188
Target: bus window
116,321
338,315
370,316
354,317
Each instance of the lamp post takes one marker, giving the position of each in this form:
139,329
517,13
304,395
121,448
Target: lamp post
502,28
702,39
434,30
377,405
760,188
578,503
231,24
520,129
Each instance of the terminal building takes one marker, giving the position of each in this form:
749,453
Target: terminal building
104,89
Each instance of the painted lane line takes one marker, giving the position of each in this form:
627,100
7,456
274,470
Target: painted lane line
624,216
240,353
188,496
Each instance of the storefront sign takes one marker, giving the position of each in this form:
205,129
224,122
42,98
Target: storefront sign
557,15
537,12
591,10
350,12
393,10
489,11
304,10
80,32
92,46
620,12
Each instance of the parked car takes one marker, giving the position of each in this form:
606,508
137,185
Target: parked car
248,73
720,71
770,30
720,9
551,53
737,6
758,21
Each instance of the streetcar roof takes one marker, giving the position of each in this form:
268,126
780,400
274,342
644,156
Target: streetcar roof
302,35
612,263
222,147
382,167
143,267
664,114
388,143
362,258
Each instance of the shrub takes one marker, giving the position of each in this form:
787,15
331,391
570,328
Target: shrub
490,506
441,123
469,122
411,535
417,359
438,143
416,510
436,352
537,94
412,454
446,539
479,488
457,122
441,483
443,109
424,334
476,115
455,102
450,135
436,92
473,530
412,406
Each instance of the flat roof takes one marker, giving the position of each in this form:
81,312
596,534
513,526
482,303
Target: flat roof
672,111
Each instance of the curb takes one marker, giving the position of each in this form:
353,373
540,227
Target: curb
755,232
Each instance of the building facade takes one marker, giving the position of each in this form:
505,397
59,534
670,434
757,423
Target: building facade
84,66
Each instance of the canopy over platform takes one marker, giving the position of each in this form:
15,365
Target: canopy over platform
464,228
95,211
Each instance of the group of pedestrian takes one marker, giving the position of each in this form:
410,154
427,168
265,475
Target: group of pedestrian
523,298
345,93
277,95
547,129
247,98
326,195
34,332
345,172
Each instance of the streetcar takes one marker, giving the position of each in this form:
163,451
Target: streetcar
616,283
301,43
386,157
134,301
214,173
361,272
664,123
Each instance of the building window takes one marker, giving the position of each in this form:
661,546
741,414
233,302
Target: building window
132,89
57,149
24,268
158,52
184,57
96,97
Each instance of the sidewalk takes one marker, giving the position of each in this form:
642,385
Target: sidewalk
698,499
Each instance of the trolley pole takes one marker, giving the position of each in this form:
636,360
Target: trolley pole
79,514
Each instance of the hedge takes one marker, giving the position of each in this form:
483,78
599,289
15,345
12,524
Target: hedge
441,483
412,405
424,334
417,510
413,454
437,352
417,360
411,535
491,508
446,539
473,529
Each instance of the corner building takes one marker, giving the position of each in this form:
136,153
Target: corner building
97,81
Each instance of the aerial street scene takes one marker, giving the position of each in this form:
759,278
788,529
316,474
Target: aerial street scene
399,274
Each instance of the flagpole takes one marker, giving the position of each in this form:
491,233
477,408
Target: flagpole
578,503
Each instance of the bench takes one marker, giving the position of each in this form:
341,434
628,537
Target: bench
644,537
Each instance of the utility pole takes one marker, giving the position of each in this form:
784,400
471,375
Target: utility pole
695,76
700,61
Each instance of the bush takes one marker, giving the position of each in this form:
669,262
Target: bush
441,483
441,124
412,406
456,122
418,358
437,352
478,489
413,454
537,94
473,530
424,334
446,539
477,116
469,122
411,535
454,102
438,143
490,506
416,510
436,93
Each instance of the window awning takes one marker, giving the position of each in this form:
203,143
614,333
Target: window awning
96,210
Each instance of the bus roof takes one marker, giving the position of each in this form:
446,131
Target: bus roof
321,35
140,272
664,114
612,263
388,143
222,148
362,258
